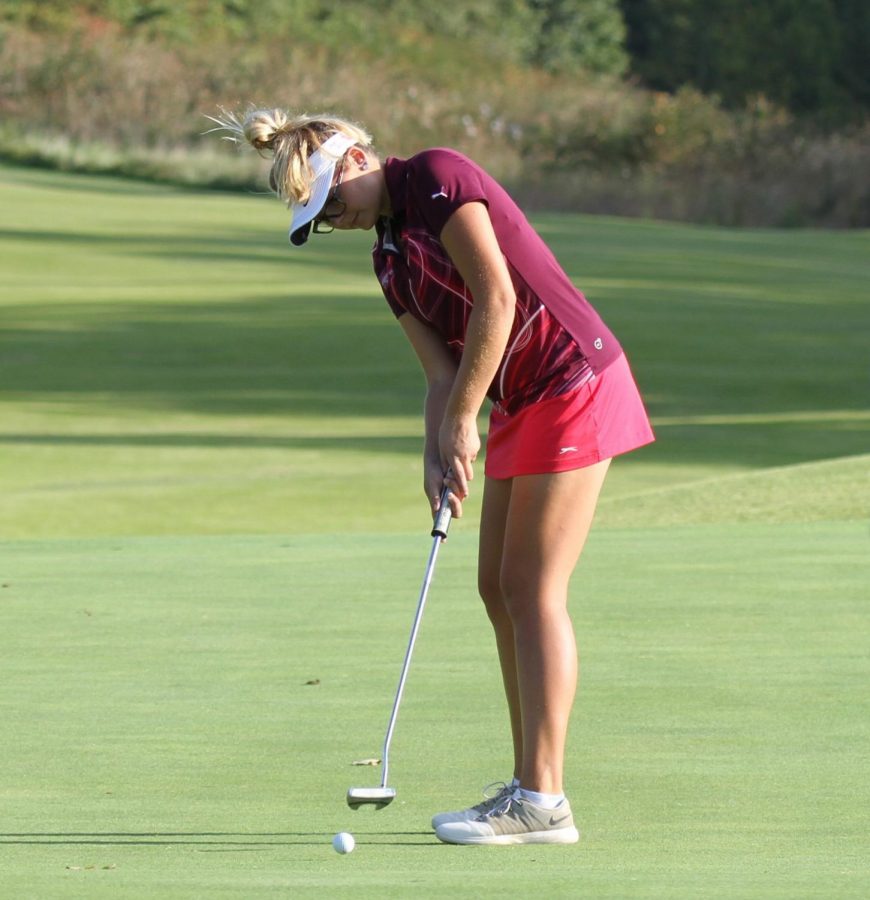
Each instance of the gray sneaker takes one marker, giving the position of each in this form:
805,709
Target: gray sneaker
514,821
490,801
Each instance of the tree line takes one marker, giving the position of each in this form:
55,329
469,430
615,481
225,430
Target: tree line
716,111
810,56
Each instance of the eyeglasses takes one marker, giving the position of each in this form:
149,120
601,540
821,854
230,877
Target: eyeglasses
332,209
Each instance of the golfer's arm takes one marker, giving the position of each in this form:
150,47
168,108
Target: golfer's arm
440,371
469,239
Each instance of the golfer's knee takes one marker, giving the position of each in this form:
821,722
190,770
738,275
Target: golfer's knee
527,597
489,588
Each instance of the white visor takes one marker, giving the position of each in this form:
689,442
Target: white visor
323,162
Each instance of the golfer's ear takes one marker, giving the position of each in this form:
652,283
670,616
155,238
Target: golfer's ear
358,155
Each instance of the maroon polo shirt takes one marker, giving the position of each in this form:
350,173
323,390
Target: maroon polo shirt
557,340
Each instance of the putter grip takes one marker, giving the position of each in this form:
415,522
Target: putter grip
442,519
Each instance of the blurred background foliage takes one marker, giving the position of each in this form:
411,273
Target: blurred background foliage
705,110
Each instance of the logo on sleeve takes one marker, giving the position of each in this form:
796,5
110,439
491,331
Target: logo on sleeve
441,193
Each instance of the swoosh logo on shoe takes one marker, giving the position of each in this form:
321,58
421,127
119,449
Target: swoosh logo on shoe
554,821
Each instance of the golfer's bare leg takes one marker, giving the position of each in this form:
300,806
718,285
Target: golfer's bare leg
548,520
496,500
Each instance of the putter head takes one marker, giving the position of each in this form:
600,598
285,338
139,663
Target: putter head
378,797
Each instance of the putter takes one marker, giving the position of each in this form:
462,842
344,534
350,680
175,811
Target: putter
379,797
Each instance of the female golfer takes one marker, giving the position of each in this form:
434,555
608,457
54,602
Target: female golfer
490,313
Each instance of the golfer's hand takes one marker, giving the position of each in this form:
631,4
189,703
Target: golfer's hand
459,443
434,482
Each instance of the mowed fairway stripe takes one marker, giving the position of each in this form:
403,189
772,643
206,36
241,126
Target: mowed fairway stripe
169,366
829,490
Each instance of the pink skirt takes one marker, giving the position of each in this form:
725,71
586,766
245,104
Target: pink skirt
602,418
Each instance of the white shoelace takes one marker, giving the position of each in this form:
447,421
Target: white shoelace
505,806
496,787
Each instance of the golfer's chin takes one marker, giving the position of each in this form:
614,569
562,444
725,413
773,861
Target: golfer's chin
360,222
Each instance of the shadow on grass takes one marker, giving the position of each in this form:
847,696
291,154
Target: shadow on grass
281,356
752,444
236,842
706,336
247,246
352,443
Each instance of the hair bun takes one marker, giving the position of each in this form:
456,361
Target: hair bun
263,126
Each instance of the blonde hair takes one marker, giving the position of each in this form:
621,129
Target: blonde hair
290,140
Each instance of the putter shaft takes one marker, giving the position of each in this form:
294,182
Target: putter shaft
380,797
427,580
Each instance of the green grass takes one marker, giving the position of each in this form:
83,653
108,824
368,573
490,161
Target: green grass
158,720
170,366
210,497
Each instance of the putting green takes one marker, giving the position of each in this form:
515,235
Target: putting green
182,715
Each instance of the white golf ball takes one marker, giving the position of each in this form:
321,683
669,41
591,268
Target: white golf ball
343,842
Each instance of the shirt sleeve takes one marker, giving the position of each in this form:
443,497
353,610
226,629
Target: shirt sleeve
439,182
